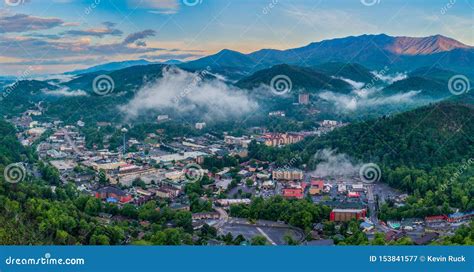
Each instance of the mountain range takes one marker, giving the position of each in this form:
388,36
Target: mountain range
373,51
339,66
112,66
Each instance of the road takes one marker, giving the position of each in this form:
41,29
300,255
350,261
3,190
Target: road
71,143
223,217
372,205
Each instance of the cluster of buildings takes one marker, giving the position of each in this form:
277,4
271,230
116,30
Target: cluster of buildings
280,139
150,168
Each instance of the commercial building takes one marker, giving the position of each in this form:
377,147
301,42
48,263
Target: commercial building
229,202
287,174
317,187
436,219
113,194
291,193
344,215
205,215
279,139
460,217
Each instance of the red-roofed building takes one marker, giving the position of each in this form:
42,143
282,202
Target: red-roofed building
319,183
353,194
436,218
110,192
293,193
316,187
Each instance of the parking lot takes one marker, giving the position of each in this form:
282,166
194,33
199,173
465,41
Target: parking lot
273,231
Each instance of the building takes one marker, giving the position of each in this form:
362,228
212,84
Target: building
303,99
287,174
230,202
144,192
460,217
200,126
166,192
279,139
317,187
181,156
291,193
277,113
353,194
113,194
174,175
359,187
36,132
128,168
268,185
329,123
344,215
436,219
205,215
239,141
33,113
341,188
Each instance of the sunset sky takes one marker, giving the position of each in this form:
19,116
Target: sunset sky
55,36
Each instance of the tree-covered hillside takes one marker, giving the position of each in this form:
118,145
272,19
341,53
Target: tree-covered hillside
426,137
301,78
430,136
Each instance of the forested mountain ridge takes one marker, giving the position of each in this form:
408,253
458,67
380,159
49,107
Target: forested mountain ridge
425,137
430,136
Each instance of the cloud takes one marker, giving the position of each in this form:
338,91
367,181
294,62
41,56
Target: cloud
65,92
24,23
52,49
389,79
43,36
364,96
366,99
139,36
96,32
331,164
156,6
354,84
55,79
189,93
33,62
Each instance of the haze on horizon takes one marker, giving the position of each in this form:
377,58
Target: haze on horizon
65,35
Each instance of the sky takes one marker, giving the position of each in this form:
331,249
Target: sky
55,36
